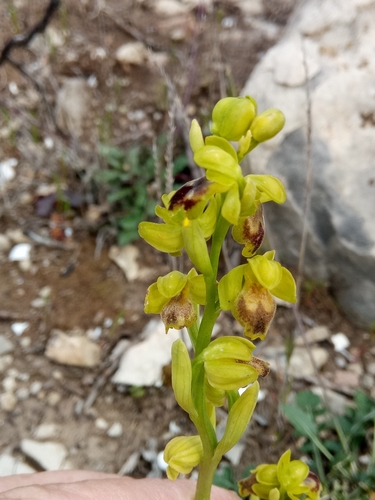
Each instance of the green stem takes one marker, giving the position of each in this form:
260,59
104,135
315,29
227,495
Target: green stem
206,474
218,238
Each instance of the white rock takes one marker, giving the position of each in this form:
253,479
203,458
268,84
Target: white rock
169,8
6,345
20,252
50,455
313,335
4,243
127,259
101,424
337,403
38,303
94,333
25,342
142,363
7,172
132,53
45,292
300,364
115,430
340,342
53,398
9,384
10,466
234,455
22,393
72,350
8,401
161,463
47,431
35,387
19,327
5,361
72,105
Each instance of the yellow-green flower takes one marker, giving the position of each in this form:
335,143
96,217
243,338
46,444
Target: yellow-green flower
285,480
232,117
248,292
175,297
229,363
182,454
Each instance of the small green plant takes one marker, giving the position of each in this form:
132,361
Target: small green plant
341,448
201,210
130,181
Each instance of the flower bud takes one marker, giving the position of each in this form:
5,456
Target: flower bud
254,309
267,124
250,232
182,454
228,363
232,116
196,136
179,312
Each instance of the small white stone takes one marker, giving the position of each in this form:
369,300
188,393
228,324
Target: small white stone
38,303
6,345
50,455
8,401
115,430
7,172
101,424
45,292
132,53
94,333
23,376
13,88
4,243
20,252
161,463
340,342
5,361
57,375
48,142
9,384
19,327
46,431
108,322
72,350
25,342
10,466
53,398
22,393
35,387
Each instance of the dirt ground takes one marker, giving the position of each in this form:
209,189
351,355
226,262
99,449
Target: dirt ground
207,52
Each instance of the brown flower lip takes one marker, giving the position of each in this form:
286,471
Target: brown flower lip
189,194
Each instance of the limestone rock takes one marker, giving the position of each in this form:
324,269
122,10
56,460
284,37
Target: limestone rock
10,465
72,350
313,335
300,364
49,455
132,53
127,259
338,39
72,105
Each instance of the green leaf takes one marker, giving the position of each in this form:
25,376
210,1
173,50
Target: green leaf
121,194
304,424
224,478
307,400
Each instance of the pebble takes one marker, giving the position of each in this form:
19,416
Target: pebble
35,387
10,466
19,327
300,364
367,381
340,342
4,243
25,342
49,455
127,258
346,378
6,345
46,431
340,362
20,252
5,361
101,424
9,384
38,303
115,430
162,464
8,401
370,368
134,53
313,335
22,393
53,398
72,350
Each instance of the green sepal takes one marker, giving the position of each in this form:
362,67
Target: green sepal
232,116
270,188
248,205
231,206
182,377
238,420
164,237
221,166
286,289
267,124
197,289
220,142
195,246
229,375
230,286
154,300
268,272
171,284
244,145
